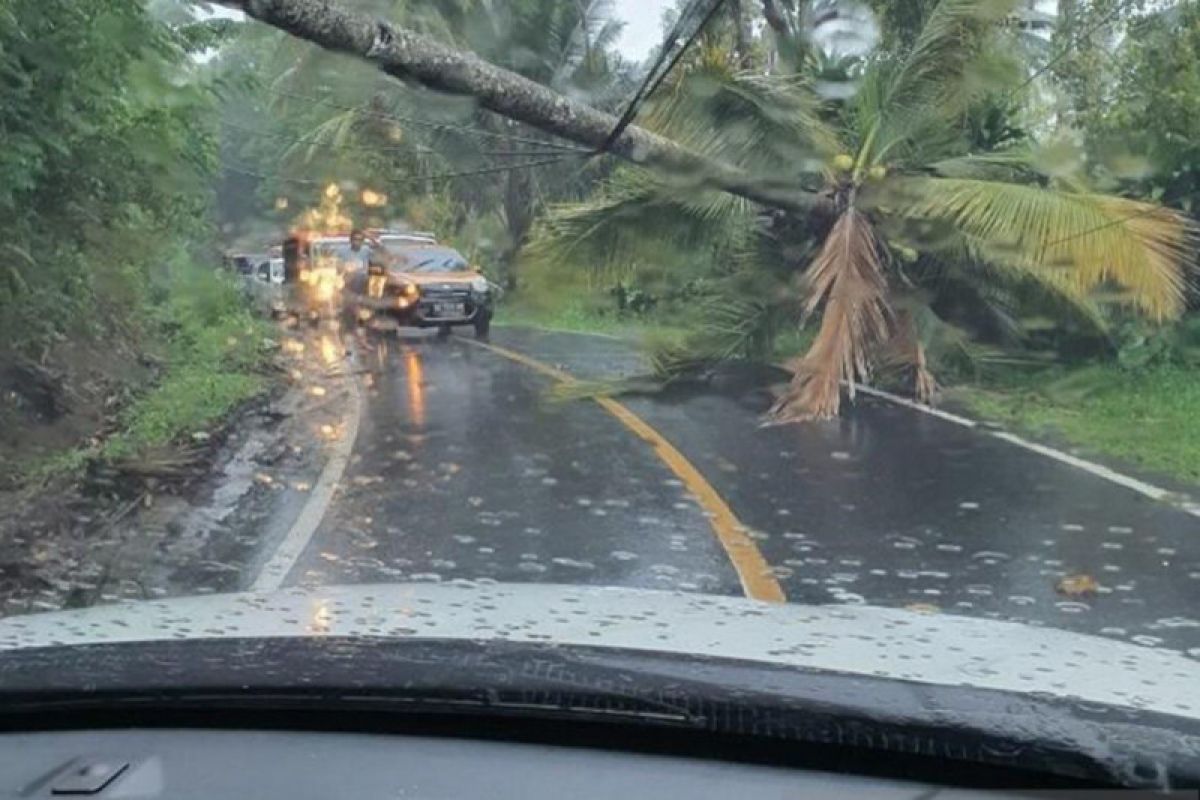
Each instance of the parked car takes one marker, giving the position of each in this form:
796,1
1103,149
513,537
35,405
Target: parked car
266,287
423,286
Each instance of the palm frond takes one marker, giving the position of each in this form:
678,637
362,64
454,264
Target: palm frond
993,266
904,102
770,125
1010,163
949,42
1089,240
972,267
905,351
944,347
633,216
336,131
847,277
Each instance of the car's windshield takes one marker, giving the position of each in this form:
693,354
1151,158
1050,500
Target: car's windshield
430,259
869,318
331,248
399,241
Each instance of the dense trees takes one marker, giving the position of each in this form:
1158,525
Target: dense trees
895,175
945,214
105,164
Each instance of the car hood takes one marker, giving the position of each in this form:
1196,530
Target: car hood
454,279
923,648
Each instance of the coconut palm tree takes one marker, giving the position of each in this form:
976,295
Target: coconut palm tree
912,207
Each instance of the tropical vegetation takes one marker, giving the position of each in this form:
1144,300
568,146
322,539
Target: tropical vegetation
946,216
994,186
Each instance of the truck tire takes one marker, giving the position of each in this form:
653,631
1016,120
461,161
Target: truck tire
483,325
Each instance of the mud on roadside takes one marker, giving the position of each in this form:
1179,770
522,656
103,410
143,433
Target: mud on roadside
79,544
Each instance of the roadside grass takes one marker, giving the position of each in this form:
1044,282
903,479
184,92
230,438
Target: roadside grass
582,317
1147,417
193,394
213,351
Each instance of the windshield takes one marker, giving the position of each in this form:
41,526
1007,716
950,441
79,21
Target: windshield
875,308
400,241
331,248
427,259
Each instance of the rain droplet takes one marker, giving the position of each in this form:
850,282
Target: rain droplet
573,563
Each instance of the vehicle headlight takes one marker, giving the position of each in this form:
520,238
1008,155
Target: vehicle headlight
479,285
409,290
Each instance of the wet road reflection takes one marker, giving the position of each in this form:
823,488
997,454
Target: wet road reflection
891,507
415,377
465,470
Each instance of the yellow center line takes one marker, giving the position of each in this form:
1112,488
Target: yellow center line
752,569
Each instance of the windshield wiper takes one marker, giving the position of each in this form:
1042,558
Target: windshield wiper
1042,737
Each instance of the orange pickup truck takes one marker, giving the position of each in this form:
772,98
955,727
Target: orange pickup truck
422,285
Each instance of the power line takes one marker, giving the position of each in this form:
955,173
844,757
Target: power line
372,148
1110,224
1061,54
654,77
454,127
409,179
712,12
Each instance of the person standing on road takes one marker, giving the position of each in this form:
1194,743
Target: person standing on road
359,254
365,249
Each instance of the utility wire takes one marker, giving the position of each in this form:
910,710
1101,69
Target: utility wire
712,12
370,148
1111,224
1061,54
454,127
654,77
411,178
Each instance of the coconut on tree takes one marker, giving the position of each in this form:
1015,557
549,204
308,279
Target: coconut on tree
916,202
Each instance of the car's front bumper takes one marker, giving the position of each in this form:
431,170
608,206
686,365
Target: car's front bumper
424,313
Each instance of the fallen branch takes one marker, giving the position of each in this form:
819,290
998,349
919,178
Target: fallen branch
410,56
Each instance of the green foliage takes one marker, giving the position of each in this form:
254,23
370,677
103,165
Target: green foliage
989,233
901,20
213,355
295,117
1139,346
102,159
1144,136
191,398
107,149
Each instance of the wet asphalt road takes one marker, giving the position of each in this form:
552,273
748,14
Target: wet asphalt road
464,468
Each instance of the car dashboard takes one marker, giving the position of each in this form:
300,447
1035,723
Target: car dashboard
187,764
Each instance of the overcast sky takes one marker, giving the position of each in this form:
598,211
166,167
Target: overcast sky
643,26
642,18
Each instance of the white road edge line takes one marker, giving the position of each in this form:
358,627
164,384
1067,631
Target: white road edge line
1099,470
273,573
913,404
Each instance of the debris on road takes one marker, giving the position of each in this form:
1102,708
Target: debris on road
1077,585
